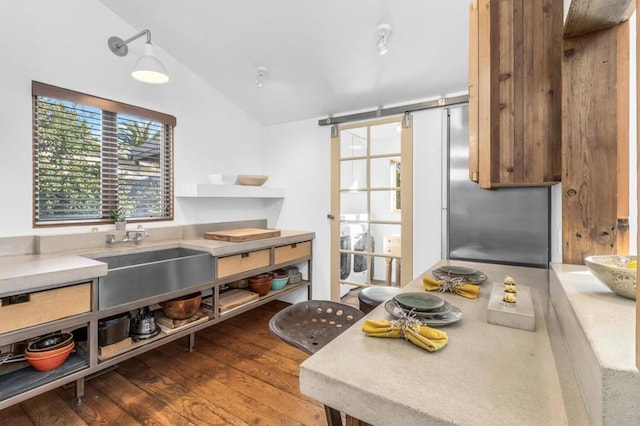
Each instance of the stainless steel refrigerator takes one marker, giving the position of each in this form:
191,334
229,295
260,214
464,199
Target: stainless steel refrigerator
505,225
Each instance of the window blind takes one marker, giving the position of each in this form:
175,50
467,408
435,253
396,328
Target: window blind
93,155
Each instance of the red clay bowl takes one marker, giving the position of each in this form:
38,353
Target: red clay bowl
50,353
50,362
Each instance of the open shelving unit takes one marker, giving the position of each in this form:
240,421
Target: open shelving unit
20,384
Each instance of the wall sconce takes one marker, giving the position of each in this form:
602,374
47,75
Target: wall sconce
148,68
261,75
383,34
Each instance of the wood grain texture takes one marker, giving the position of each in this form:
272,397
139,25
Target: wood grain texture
485,84
519,85
587,16
241,235
591,155
239,374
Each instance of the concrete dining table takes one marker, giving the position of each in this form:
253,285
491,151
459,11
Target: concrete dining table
486,374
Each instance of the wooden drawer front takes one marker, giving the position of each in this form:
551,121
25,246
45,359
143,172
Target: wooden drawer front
45,306
292,252
244,262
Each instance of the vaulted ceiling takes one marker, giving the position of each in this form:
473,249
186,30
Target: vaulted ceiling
321,55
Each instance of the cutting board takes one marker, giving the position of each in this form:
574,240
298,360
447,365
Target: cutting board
241,235
234,298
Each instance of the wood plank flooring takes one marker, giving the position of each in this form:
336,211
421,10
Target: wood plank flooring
239,374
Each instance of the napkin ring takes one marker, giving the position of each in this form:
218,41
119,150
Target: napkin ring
451,284
406,321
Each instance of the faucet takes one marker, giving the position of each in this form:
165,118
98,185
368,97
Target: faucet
134,236
138,235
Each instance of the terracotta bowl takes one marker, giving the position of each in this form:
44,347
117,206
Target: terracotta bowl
260,286
614,272
49,362
182,307
52,341
51,352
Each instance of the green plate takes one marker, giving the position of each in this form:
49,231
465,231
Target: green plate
457,270
423,302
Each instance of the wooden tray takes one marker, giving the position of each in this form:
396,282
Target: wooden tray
241,235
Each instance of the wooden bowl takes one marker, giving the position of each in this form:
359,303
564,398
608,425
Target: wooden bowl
260,286
252,180
182,307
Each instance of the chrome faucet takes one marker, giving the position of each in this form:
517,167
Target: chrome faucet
138,235
134,236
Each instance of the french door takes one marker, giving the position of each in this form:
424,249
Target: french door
371,204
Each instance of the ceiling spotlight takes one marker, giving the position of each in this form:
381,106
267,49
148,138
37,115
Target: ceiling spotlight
383,34
261,75
148,68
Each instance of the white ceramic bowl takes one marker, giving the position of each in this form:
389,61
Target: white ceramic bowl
612,271
218,179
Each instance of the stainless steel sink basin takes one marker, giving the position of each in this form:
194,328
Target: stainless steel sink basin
138,276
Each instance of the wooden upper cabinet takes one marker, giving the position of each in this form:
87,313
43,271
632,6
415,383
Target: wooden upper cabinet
514,92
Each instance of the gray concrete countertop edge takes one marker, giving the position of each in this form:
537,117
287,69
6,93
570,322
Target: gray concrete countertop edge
25,273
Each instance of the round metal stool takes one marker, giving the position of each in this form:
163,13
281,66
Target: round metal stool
371,297
312,324
309,326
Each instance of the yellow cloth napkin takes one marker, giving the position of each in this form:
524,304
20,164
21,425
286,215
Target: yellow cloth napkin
469,291
422,335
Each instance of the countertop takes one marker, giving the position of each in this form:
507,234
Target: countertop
25,273
599,328
487,374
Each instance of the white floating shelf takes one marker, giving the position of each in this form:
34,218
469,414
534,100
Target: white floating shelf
228,191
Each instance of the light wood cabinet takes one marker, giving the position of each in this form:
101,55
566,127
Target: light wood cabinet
514,92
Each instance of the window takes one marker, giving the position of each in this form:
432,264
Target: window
92,156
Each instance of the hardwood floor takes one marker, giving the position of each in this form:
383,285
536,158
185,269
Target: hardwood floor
239,374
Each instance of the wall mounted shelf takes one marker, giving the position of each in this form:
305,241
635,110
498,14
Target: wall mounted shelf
198,190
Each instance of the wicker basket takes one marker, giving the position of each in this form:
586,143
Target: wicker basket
312,324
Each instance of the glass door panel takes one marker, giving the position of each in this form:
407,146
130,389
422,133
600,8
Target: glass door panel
353,174
366,201
353,142
384,206
354,206
385,172
385,138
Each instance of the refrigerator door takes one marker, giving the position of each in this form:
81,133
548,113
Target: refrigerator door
506,225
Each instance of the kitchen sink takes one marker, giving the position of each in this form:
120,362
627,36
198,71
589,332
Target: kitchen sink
145,275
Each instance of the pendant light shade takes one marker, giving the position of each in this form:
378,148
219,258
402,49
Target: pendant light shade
148,68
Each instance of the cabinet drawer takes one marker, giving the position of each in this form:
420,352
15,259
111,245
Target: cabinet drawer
292,252
243,262
44,306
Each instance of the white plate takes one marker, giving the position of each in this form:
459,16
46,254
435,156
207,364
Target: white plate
454,315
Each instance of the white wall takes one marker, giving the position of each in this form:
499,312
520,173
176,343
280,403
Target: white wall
64,43
297,156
